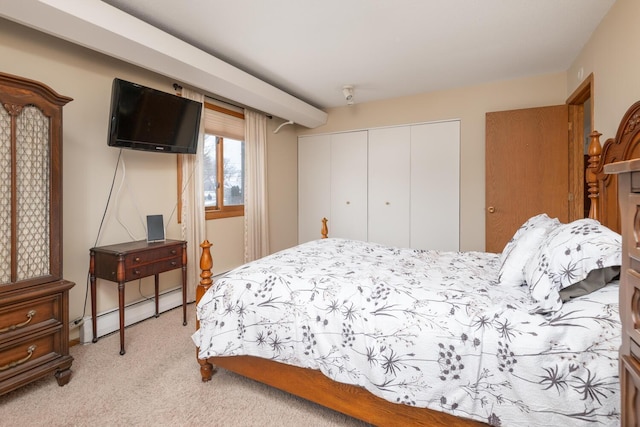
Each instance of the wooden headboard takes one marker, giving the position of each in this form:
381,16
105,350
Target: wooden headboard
603,188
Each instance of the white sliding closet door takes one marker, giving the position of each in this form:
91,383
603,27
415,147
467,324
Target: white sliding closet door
399,186
349,186
314,185
435,186
389,186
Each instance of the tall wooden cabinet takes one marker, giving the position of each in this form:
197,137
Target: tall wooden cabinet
397,185
34,302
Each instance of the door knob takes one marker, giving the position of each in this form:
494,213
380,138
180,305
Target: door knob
491,209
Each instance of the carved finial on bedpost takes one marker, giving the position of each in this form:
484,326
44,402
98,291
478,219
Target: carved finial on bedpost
595,152
325,229
205,265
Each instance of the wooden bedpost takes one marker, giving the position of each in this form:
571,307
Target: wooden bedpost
325,230
595,152
206,263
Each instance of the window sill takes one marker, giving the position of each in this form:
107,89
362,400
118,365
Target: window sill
227,213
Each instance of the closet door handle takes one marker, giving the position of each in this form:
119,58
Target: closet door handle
491,209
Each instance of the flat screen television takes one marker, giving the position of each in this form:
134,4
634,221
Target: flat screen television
147,119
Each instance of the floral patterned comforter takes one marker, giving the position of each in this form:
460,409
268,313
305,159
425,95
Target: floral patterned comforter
424,328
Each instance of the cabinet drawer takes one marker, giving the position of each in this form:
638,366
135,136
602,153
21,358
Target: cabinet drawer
27,316
152,256
144,270
630,386
633,207
26,353
635,182
630,304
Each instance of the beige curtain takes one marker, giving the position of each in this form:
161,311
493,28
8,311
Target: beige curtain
192,202
256,219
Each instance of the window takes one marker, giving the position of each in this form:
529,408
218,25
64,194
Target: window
223,181
223,167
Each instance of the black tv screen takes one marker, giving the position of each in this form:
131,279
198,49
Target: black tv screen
148,119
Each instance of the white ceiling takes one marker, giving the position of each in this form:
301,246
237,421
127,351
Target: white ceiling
384,48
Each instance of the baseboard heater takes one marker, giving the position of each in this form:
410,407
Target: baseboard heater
109,321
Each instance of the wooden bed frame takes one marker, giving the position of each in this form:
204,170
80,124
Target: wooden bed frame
358,402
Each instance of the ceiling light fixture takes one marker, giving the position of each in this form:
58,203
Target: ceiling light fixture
347,91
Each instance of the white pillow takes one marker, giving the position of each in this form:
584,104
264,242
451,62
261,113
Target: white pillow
522,245
567,256
512,269
537,221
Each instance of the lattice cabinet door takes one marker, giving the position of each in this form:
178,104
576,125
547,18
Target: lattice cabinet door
30,182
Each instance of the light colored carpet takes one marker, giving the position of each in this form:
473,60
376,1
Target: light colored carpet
156,383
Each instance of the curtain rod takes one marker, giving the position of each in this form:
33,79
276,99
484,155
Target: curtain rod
178,87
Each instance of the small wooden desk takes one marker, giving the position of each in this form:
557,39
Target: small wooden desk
124,262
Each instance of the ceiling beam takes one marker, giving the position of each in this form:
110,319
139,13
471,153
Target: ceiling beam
106,29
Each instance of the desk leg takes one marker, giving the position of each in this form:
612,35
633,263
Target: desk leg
184,284
121,305
157,282
92,279
184,295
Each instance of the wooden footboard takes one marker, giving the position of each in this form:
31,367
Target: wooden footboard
314,386
350,400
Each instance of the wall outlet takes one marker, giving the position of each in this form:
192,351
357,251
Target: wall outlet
76,323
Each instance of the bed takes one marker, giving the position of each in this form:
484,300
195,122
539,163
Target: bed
354,326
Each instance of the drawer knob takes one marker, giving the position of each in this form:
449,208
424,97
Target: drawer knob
30,315
30,351
173,263
173,252
136,272
136,259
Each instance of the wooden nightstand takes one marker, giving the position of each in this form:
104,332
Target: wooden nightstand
124,262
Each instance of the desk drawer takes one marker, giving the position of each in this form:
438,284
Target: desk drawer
152,256
144,270
27,316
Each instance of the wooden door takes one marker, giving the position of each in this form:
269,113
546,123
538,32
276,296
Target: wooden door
527,169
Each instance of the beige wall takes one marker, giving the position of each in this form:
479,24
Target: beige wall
469,104
612,56
282,176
